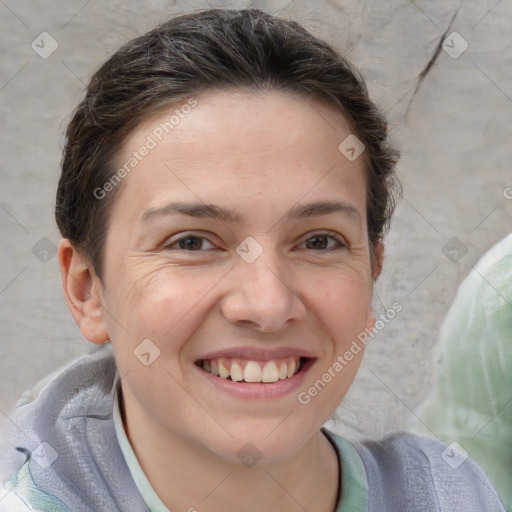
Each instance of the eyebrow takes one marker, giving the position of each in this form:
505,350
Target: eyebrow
202,210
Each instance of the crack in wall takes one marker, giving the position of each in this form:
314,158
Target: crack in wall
430,63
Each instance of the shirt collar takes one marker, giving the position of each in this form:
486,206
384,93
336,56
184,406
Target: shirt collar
353,478
147,492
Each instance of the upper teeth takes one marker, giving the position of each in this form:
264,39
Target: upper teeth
252,371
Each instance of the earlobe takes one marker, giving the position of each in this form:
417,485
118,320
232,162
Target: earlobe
82,289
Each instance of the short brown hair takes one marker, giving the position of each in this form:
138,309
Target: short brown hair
191,54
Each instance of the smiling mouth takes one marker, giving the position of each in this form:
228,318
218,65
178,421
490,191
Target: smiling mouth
246,370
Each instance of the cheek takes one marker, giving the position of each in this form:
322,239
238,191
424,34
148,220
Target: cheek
157,313
345,313
345,300
344,309
167,304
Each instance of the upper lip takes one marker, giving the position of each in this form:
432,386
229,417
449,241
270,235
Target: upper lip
257,354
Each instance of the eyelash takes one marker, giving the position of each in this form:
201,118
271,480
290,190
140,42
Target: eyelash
341,243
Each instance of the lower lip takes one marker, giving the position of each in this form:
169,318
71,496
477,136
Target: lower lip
259,390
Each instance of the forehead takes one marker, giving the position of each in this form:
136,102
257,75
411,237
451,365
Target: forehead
241,147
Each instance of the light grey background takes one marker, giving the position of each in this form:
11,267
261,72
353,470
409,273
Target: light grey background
453,121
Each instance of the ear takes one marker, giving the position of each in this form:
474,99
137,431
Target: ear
376,266
378,260
82,289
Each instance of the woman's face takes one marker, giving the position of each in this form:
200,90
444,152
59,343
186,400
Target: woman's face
239,243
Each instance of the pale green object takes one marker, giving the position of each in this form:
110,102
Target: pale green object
472,401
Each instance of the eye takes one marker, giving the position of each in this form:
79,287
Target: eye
189,243
320,242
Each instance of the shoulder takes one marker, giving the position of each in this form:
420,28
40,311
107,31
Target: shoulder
410,472
95,361
90,373
51,423
81,389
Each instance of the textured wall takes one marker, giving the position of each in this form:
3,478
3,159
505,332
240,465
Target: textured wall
450,109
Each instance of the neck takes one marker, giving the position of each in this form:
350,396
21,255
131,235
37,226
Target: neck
188,478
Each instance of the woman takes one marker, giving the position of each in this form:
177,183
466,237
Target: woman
226,186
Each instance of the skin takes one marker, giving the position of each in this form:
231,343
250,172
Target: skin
259,154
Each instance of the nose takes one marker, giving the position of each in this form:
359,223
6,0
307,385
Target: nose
262,296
